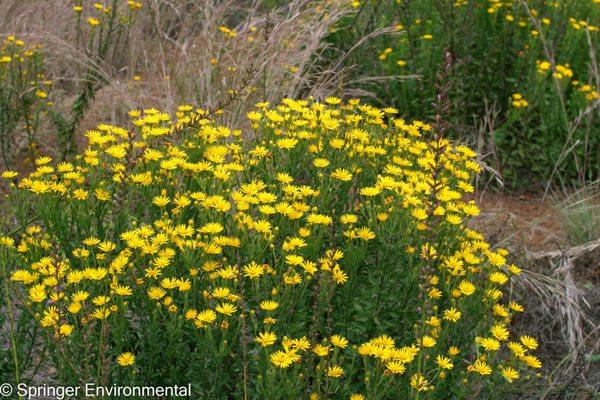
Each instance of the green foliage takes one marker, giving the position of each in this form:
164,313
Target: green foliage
495,48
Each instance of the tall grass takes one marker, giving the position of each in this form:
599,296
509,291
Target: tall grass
221,55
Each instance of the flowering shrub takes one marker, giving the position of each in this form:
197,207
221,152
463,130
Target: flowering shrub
321,253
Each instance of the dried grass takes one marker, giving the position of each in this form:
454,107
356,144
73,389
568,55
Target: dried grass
182,56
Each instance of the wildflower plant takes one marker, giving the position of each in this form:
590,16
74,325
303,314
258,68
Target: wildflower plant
322,251
540,50
102,31
23,96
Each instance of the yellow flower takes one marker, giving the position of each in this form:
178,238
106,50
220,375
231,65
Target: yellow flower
93,21
480,367
490,344
529,342
320,162
452,314
206,316
80,194
37,293
335,371
339,341
428,341
9,174
126,359
443,362
226,309
101,313
281,359
254,116
65,330
123,290
532,361
419,383
342,174
419,213
499,331
466,288
321,350
509,373
268,305
395,367
156,293
266,339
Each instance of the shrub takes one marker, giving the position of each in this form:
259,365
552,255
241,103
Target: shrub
320,252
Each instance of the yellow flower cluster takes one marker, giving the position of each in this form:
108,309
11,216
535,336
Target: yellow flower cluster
230,230
517,101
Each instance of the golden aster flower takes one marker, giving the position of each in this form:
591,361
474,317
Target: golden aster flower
65,330
395,367
281,359
499,331
123,290
342,174
453,351
452,314
480,367
443,362
419,383
339,341
490,344
156,293
43,160
339,276
206,316
226,309
266,339
509,373
335,371
513,305
268,305
321,162
466,288
419,214
529,342
321,350
365,233
532,361
100,300
126,359
9,174
428,341
500,310
37,293
101,313
191,314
